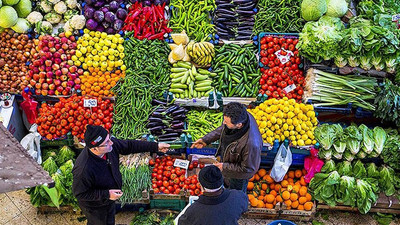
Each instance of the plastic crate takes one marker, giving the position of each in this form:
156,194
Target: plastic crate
171,204
201,151
362,113
347,109
67,140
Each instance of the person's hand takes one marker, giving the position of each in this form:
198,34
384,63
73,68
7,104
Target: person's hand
199,144
219,165
163,147
115,194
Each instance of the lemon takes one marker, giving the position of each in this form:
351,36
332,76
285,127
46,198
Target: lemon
304,137
78,53
294,143
264,136
96,64
308,142
269,140
91,43
291,127
121,55
286,109
289,121
114,46
298,128
103,35
285,126
103,58
300,142
286,133
273,120
74,58
120,48
111,63
104,48
283,137
314,142
279,121
277,137
292,133
264,118
77,63
84,66
262,130
274,108
82,59
101,43
292,138
120,40
270,133
111,57
269,124
263,124
311,114
276,127
90,63
96,58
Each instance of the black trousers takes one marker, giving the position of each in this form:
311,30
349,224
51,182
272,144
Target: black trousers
100,216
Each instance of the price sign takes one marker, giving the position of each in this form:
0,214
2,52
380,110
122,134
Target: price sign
284,55
184,164
289,88
89,102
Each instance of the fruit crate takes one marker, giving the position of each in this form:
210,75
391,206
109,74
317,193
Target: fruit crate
280,212
262,213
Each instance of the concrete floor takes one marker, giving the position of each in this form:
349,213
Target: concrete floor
15,209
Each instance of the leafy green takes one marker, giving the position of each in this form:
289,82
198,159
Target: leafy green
325,135
348,156
50,165
325,154
387,180
346,191
328,167
344,168
368,139
359,170
390,153
313,9
327,189
152,218
64,155
388,103
366,195
372,170
340,141
379,139
354,138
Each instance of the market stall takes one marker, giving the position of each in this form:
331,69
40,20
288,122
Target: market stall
320,77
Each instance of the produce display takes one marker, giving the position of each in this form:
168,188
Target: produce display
292,191
59,165
52,71
99,84
104,16
69,115
200,123
285,119
147,21
326,89
350,143
100,50
13,14
167,121
236,68
282,77
192,16
234,20
278,17
15,51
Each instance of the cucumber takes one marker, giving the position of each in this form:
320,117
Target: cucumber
176,80
202,88
176,90
176,75
203,81
179,86
184,78
177,70
203,71
203,85
184,65
201,77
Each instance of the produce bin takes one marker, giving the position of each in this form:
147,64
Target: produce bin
67,141
172,204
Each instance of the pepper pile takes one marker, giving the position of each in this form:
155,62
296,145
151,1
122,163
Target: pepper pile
283,76
147,21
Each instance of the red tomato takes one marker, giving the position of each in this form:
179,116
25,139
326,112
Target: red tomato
159,176
156,190
165,183
263,40
190,166
167,192
201,165
151,162
154,186
167,173
162,189
192,186
177,191
173,176
197,191
171,189
182,178
195,164
269,39
159,183
170,163
154,175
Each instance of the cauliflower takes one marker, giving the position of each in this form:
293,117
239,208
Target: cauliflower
77,22
54,1
43,27
67,27
34,17
60,8
46,6
72,3
70,13
53,18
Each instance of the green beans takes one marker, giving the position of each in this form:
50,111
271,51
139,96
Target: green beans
193,17
201,123
237,70
278,16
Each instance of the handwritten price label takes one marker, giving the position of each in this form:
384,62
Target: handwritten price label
90,103
184,164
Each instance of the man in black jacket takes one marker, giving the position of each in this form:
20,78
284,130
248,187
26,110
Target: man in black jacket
217,206
97,181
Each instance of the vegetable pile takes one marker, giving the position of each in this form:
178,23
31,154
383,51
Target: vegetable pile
104,15
192,16
282,77
278,16
59,165
16,50
187,82
100,50
200,123
13,14
236,68
387,103
314,9
350,143
147,21
326,89
234,20
292,192
285,119
390,153
152,218
52,71
167,121
69,115
99,84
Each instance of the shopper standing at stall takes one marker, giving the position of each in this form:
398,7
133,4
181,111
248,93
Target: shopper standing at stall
97,181
240,145
216,205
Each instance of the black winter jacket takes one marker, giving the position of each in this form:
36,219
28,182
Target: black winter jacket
93,176
224,209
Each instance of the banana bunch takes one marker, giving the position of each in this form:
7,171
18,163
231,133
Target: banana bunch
201,53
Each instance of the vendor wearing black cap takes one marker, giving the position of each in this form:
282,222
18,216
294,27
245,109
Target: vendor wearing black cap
217,205
97,181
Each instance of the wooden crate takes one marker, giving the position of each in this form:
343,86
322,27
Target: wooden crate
280,212
262,213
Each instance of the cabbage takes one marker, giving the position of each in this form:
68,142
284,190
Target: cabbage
22,26
10,2
313,9
8,16
23,8
354,138
387,180
336,8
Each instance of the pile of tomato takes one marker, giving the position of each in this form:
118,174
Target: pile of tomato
69,115
167,179
277,74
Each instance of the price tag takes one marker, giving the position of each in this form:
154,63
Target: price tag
184,164
284,55
395,17
89,102
289,88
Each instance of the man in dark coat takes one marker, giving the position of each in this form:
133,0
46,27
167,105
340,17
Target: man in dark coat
240,146
97,181
217,206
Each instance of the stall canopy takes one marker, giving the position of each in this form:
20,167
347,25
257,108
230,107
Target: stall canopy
18,170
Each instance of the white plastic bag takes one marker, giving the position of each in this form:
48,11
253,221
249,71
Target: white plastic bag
282,162
31,142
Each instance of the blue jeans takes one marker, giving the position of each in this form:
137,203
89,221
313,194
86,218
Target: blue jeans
238,184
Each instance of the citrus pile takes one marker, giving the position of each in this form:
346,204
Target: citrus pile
98,83
99,50
292,191
285,119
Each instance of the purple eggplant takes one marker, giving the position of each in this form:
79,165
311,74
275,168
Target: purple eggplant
89,12
109,17
118,24
91,24
113,6
98,16
121,14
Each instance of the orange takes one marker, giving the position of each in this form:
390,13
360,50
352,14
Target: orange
285,195
262,172
278,188
308,206
302,200
279,198
268,179
256,177
290,174
303,182
250,186
261,198
296,188
304,172
295,204
264,187
291,181
284,183
251,179
309,198
272,186
273,192
254,202
288,203
285,177
250,197
269,198
300,207
260,204
269,206
298,173
294,197
262,192
303,191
